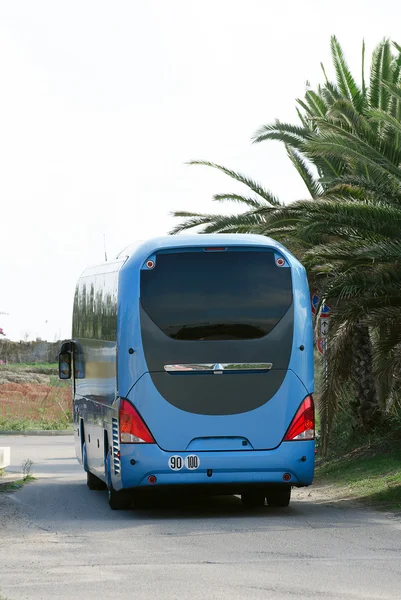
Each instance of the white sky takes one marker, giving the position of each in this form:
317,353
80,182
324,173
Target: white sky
102,103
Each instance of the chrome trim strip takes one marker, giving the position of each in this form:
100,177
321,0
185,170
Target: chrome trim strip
217,368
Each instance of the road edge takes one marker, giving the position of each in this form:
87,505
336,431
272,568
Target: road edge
10,479
39,432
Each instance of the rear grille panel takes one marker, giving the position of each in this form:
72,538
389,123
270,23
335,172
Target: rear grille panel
116,447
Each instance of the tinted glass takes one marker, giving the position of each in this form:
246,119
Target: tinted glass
216,295
95,307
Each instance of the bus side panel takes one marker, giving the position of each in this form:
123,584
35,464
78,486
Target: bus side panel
302,363
95,368
95,392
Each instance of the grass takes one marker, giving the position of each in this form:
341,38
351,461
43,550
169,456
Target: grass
26,478
54,381
16,485
365,474
24,424
360,466
41,368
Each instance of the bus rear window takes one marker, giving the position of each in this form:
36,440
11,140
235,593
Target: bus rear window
227,295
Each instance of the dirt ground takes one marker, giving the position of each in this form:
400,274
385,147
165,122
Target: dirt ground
22,377
32,395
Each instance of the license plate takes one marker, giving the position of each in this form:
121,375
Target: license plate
190,462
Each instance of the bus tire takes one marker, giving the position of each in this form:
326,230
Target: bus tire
254,499
279,496
119,500
94,483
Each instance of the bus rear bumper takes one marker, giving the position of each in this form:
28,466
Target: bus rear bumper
291,463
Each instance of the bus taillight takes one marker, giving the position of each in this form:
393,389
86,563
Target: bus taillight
132,428
303,424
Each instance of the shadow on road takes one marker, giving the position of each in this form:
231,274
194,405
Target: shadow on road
59,502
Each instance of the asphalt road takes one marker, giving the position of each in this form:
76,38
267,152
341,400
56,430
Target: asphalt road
60,540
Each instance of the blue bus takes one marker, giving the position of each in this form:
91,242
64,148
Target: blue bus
191,362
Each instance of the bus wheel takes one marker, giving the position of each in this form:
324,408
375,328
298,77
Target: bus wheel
94,483
253,499
119,500
279,496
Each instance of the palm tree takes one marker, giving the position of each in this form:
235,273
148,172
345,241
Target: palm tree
343,108
356,253
349,136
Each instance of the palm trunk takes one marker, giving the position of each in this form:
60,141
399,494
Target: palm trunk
366,404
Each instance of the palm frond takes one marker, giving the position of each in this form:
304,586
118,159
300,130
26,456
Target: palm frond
369,249
363,72
345,81
308,110
356,186
256,187
381,116
324,72
247,222
395,105
348,289
335,143
318,221
396,66
316,103
391,129
381,138
343,111
247,200
346,190
393,89
293,135
192,220
380,72
330,93
396,46
303,119
303,168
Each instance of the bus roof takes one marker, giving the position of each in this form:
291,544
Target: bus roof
141,250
